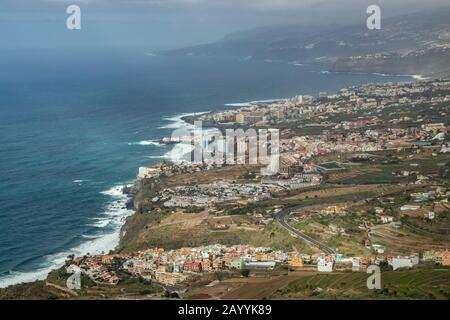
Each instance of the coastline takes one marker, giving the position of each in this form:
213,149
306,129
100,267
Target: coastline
116,212
186,120
119,202
114,216
415,77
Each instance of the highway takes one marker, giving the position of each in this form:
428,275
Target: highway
281,216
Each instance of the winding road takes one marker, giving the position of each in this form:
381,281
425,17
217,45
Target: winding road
281,216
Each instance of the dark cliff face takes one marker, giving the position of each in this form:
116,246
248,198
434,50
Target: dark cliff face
141,194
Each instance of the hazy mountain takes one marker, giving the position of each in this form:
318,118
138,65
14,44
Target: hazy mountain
416,43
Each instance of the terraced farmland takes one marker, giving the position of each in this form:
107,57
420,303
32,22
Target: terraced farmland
412,284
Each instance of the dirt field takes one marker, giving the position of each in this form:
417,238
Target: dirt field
333,191
253,288
398,241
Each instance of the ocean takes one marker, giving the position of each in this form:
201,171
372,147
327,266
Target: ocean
77,124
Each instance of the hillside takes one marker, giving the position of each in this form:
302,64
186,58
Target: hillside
427,283
410,44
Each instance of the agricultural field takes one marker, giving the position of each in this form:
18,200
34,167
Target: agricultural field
377,172
404,240
426,283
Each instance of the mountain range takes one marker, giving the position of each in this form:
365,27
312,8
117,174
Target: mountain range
416,43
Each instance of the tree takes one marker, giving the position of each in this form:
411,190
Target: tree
245,273
384,266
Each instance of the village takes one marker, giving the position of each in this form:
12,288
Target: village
369,118
370,98
173,267
362,180
312,153
217,192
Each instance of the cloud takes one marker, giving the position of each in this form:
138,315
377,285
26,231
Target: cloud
237,4
254,5
260,5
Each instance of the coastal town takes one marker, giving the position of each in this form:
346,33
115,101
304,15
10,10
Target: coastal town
362,180
323,139
368,135
225,159
173,267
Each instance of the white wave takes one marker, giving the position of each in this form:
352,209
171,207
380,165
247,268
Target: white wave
180,152
151,54
419,77
343,72
116,191
95,245
88,236
78,181
239,104
414,76
176,122
21,277
101,223
252,103
296,64
146,143
378,74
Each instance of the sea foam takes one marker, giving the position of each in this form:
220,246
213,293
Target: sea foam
145,143
111,220
176,122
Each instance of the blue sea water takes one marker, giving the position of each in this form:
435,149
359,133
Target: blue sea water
73,130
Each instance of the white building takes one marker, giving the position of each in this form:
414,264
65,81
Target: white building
404,262
409,207
378,248
386,219
356,264
379,210
324,265
260,265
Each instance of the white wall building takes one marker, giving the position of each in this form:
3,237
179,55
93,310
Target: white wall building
356,264
404,262
324,265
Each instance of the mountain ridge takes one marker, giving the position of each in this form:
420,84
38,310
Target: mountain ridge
417,43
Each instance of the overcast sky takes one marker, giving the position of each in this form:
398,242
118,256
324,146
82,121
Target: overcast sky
160,24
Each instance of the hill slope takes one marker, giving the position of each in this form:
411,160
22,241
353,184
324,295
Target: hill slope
412,44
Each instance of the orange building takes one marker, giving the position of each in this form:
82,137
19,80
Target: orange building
296,262
445,258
